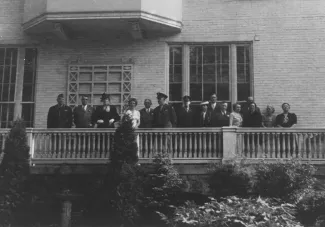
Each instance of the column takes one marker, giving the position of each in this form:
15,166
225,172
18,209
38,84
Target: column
229,136
19,82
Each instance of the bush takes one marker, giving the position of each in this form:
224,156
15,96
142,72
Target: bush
229,179
14,172
234,212
287,180
311,208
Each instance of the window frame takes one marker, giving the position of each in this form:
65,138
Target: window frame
233,93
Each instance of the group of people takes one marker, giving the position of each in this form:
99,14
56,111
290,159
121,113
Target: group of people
211,114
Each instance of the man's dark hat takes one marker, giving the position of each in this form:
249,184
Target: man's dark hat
60,96
161,95
187,97
104,96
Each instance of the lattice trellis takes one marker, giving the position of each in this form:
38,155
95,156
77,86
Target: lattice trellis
94,80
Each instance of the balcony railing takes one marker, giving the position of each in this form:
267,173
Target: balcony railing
190,145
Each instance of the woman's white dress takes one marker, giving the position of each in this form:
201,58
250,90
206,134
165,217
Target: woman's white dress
135,123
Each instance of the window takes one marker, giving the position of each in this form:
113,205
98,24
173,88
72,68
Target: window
94,80
8,68
199,70
29,81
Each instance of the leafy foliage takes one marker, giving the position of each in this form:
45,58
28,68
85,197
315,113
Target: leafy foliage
162,185
234,212
229,179
14,172
311,208
125,145
126,175
287,180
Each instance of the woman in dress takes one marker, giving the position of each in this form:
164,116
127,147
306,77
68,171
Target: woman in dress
135,116
106,115
236,119
253,118
269,117
286,119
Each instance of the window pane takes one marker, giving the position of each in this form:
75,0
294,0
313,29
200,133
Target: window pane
209,54
243,91
223,73
28,75
6,78
222,54
2,56
209,72
12,93
196,55
175,92
223,91
28,93
243,73
28,114
176,55
196,91
208,89
5,93
196,74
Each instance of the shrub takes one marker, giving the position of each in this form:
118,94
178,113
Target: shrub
229,179
286,180
234,212
311,208
14,172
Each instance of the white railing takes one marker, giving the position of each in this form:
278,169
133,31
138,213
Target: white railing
184,145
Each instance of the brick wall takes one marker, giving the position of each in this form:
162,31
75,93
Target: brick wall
289,59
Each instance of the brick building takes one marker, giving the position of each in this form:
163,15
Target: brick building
273,50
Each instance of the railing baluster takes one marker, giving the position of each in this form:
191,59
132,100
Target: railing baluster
209,145
110,144
195,145
55,150
180,154
215,152
266,143
64,141
151,146
220,148
93,152
185,145
204,141
315,153
146,148
88,145
248,145
294,138
200,150
319,150
311,152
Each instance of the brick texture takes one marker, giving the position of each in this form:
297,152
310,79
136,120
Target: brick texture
289,59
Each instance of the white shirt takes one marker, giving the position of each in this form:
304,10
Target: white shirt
84,107
213,105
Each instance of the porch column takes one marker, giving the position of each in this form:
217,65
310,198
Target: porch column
67,197
229,143
19,82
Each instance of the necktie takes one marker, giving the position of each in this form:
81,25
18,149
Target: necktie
148,111
85,108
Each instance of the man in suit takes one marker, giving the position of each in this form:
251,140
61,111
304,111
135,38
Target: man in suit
214,108
146,115
205,115
185,114
59,115
223,115
164,115
82,114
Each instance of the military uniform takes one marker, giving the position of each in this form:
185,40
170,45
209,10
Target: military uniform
59,117
82,116
164,117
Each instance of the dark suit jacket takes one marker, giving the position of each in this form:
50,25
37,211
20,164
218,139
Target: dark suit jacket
245,109
165,117
59,117
101,114
292,119
252,119
185,119
146,119
214,114
223,120
206,121
83,118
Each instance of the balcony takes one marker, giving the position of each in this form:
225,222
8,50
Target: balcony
185,146
73,19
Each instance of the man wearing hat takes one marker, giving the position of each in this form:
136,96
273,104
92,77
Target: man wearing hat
185,114
106,115
205,115
82,115
59,115
164,115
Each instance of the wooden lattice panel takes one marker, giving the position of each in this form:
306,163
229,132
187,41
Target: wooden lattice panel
94,80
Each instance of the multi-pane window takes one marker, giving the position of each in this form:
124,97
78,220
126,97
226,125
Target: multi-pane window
175,72
94,80
207,69
8,69
29,81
